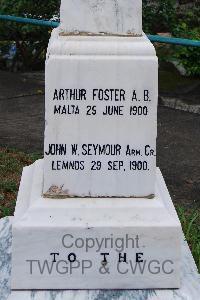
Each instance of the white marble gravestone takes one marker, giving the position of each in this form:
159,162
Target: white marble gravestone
95,213
101,103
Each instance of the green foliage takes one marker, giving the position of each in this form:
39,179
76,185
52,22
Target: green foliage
31,41
158,16
191,16
36,9
189,57
190,222
6,211
11,165
165,16
8,186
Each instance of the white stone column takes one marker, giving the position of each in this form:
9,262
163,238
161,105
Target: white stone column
101,103
109,17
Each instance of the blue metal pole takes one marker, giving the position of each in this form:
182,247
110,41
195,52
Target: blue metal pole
174,41
29,21
152,38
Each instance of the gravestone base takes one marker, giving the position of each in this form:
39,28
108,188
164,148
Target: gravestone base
144,234
190,287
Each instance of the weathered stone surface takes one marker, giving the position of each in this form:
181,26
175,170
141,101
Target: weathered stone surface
115,17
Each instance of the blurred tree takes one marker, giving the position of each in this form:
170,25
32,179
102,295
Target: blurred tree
159,15
31,41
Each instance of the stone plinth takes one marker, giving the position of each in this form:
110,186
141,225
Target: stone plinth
117,17
150,231
190,287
